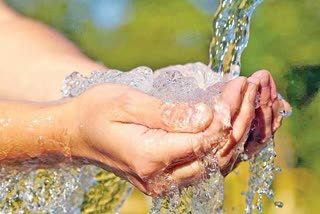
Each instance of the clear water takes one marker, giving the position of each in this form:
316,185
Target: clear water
231,26
67,189
72,189
262,173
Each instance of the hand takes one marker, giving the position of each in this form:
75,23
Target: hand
242,112
137,136
268,119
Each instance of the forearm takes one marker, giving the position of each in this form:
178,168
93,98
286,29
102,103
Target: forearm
31,131
35,59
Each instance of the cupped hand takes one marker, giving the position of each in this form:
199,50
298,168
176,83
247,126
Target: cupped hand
269,114
137,136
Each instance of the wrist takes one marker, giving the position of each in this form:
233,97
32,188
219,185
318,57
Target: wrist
51,127
69,129
37,132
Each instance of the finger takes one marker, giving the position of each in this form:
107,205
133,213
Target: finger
156,149
264,75
179,148
264,115
254,79
267,80
137,107
287,108
252,147
274,93
188,174
176,149
243,120
232,94
181,176
277,105
283,110
276,122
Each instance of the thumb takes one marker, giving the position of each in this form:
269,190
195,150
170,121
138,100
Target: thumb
140,108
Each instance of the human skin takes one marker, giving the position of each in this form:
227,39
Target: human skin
113,126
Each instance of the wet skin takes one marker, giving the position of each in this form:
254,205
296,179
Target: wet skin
143,139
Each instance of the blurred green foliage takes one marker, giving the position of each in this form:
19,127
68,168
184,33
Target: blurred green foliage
303,85
284,34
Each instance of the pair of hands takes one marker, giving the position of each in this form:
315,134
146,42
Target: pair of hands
137,136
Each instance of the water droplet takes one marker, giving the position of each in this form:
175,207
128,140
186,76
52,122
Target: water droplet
277,169
259,207
278,204
244,157
270,194
284,113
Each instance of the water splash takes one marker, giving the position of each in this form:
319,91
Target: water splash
205,196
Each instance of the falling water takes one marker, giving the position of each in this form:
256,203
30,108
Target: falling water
71,189
231,25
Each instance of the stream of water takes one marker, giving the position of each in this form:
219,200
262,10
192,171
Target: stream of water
72,189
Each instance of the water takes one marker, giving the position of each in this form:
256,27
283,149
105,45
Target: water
67,189
231,26
72,189
261,176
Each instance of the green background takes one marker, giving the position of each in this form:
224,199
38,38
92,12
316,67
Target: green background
284,38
